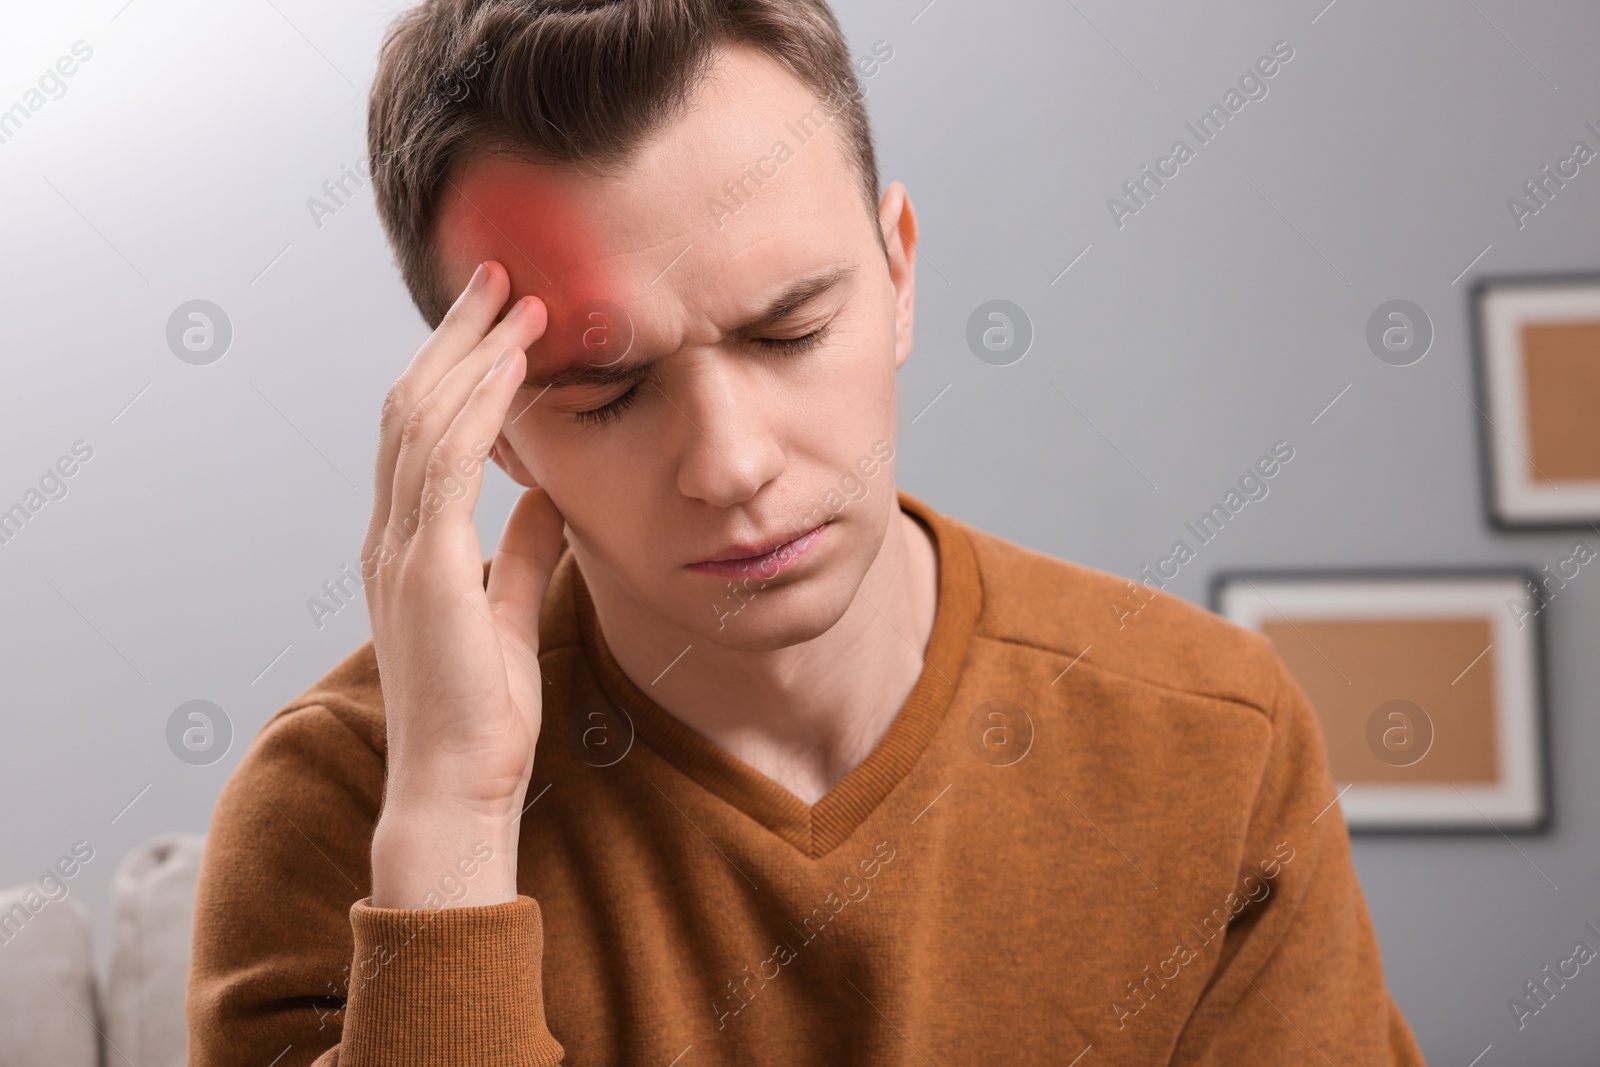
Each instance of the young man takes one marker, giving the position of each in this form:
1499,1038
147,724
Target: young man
735,753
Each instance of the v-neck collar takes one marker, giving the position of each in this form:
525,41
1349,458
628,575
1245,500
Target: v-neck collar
814,829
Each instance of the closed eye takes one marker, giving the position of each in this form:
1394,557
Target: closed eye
785,346
601,415
792,345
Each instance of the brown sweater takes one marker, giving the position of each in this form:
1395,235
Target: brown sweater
1100,827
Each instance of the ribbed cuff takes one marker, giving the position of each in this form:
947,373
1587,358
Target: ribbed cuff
449,986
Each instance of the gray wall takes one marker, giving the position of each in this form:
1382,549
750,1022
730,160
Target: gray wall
1222,317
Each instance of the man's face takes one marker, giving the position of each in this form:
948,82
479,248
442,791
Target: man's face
735,252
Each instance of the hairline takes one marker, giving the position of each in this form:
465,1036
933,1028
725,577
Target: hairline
486,145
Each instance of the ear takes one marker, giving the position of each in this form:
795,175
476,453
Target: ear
506,458
898,221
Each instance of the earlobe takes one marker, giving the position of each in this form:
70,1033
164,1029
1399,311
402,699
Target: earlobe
505,457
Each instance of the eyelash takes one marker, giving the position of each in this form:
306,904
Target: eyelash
600,416
783,346
793,346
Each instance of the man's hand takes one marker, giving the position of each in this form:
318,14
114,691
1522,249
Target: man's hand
458,663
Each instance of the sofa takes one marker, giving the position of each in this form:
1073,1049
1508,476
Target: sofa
56,1011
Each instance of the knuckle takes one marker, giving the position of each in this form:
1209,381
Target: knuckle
380,545
416,425
375,546
441,462
396,402
376,569
398,535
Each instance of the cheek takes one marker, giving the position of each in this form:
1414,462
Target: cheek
866,382
856,362
532,444
599,477
839,398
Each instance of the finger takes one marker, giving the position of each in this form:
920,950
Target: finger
463,326
523,562
454,469
438,411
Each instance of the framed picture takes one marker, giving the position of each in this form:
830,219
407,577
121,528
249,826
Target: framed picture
1428,685
1538,350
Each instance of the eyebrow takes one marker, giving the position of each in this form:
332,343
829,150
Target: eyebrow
796,296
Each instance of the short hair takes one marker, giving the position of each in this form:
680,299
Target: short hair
578,82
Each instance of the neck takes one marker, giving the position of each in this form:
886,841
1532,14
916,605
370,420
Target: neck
807,713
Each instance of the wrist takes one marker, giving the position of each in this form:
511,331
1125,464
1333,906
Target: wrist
437,859
450,793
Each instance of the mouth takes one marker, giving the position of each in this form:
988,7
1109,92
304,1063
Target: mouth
763,559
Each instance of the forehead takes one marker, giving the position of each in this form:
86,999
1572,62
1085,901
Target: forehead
751,186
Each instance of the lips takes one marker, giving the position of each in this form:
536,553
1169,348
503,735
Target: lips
767,557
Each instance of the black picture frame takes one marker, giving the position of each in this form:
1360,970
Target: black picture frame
1492,488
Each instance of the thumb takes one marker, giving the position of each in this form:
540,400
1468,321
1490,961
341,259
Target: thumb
520,573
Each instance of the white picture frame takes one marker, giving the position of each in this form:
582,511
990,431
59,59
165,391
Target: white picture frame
1518,797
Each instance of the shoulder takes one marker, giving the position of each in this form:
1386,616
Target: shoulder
1118,626
347,701
349,697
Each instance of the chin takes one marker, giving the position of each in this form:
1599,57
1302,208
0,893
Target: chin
781,616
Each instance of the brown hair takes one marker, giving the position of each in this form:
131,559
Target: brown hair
580,82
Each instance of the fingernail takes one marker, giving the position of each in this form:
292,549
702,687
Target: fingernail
478,277
516,309
501,358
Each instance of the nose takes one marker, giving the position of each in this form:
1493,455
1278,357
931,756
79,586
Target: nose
731,450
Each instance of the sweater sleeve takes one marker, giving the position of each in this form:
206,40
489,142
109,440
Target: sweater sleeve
292,965
1299,979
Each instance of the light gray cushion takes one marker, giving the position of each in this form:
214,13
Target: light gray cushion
48,1009
152,916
